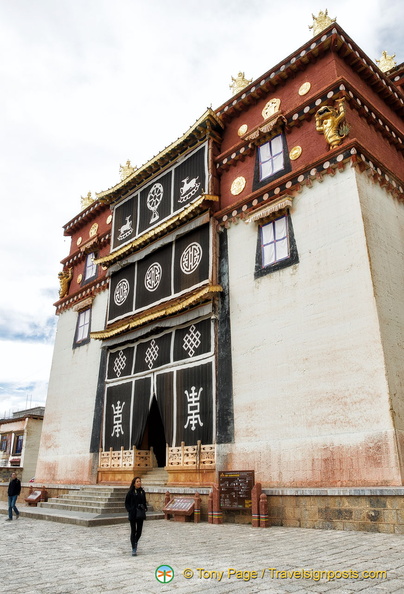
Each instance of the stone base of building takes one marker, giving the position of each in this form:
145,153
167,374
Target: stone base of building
368,509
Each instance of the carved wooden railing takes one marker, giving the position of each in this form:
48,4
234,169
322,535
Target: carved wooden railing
122,458
202,457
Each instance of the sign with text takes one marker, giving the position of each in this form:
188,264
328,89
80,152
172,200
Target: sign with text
235,489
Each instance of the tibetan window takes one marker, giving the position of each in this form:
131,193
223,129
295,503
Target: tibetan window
90,270
276,246
82,335
19,439
272,161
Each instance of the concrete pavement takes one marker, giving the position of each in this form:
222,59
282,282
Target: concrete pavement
41,557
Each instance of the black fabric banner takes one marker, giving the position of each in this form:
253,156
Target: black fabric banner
165,400
141,405
154,277
121,292
155,202
120,363
195,404
125,222
193,340
153,354
191,259
117,416
190,179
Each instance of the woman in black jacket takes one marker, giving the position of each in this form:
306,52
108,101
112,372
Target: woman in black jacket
136,506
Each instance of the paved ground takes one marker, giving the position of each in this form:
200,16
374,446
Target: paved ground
41,557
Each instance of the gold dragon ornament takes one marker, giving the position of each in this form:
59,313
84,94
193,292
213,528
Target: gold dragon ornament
64,279
329,122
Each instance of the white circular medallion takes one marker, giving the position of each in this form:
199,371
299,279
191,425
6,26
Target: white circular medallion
153,276
121,292
191,258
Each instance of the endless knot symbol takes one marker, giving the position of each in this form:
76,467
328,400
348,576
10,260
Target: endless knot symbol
119,363
151,354
191,257
191,341
121,292
153,276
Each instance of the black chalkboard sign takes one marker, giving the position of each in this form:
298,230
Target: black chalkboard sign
235,489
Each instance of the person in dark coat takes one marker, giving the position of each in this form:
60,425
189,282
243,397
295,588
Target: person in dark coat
136,506
14,489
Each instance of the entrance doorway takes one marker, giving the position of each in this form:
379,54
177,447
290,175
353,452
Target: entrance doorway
154,434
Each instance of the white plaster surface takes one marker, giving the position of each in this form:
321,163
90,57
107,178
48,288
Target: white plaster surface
64,455
310,392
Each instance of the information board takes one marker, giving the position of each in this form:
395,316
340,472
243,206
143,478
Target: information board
235,489
180,505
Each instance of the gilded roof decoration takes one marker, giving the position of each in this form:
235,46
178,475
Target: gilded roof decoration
86,201
180,304
321,22
239,83
386,62
126,170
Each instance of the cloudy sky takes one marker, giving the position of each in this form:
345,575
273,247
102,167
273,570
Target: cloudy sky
88,84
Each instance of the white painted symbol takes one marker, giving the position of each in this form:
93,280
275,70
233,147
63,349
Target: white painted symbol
193,408
121,292
189,188
117,430
154,198
153,276
151,354
191,258
126,229
119,363
192,341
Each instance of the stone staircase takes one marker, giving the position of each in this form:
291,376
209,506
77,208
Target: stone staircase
158,477
90,499
90,505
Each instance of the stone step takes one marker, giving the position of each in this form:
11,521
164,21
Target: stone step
92,509
90,497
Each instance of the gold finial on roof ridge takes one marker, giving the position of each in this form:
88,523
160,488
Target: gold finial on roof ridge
386,62
86,201
239,83
321,22
126,170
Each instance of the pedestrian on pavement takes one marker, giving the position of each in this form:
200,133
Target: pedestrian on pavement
136,506
14,489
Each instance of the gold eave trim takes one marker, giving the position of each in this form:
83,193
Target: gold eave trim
184,214
209,114
162,311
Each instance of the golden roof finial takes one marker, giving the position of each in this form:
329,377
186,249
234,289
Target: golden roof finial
321,22
386,62
86,201
126,170
239,83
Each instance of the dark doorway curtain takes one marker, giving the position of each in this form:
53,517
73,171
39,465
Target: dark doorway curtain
195,404
155,437
165,400
141,405
117,416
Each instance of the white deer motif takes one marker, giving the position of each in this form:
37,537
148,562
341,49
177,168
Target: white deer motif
126,229
189,188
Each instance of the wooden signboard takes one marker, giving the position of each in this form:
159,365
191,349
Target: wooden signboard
33,498
235,489
180,505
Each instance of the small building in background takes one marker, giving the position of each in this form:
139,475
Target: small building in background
19,443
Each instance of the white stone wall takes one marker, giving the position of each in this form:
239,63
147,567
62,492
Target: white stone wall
65,443
32,437
310,393
383,218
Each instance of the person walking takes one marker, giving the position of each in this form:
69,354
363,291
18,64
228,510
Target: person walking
14,489
136,506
